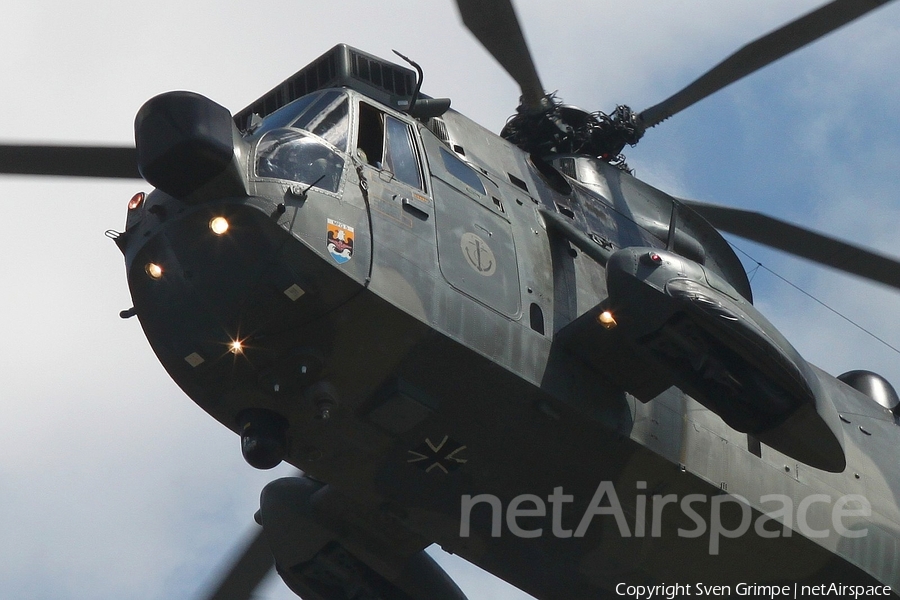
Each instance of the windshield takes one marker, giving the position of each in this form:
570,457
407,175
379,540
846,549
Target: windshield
286,114
328,117
297,156
325,114
305,141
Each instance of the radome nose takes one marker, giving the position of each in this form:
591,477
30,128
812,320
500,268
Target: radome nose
186,141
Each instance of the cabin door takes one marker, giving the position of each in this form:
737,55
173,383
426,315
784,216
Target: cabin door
476,252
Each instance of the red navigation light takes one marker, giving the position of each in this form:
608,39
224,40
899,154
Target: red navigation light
136,201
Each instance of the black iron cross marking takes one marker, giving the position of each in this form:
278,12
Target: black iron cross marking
441,456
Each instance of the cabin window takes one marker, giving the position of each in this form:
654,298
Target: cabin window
386,143
462,171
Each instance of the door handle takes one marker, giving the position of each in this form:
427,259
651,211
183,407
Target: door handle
410,207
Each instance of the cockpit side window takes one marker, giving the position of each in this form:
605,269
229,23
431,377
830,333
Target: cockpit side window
386,143
399,153
370,141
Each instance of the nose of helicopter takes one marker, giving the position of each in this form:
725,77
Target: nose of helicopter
233,305
189,147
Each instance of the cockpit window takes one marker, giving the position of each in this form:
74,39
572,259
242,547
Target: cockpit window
297,156
325,114
400,154
286,114
386,143
328,118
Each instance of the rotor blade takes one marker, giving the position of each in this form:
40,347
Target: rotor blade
119,162
496,26
247,570
762,52
801,242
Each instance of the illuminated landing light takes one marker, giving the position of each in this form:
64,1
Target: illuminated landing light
606,319
136,201
236,347
154,271
218,225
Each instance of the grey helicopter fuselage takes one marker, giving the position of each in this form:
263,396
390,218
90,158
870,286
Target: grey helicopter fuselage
414,303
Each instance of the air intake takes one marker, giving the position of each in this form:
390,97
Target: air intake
439,129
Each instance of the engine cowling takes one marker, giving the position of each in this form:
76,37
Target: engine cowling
694,327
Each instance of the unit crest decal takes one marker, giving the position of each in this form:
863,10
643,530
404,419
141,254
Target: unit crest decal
339,241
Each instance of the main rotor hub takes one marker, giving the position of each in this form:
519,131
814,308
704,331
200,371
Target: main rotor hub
559,128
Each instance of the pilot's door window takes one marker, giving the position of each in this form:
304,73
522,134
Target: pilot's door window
386,143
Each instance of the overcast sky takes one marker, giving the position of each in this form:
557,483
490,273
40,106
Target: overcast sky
113,484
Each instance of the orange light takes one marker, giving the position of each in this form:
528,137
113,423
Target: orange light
136,201
236,347
606,319
154,270
218,225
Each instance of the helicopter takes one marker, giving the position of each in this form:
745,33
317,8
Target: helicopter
351,259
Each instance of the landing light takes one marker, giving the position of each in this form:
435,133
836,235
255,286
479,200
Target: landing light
154,270
218,225
236,347
606,319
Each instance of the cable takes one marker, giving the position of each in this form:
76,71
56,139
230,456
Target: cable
759,265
